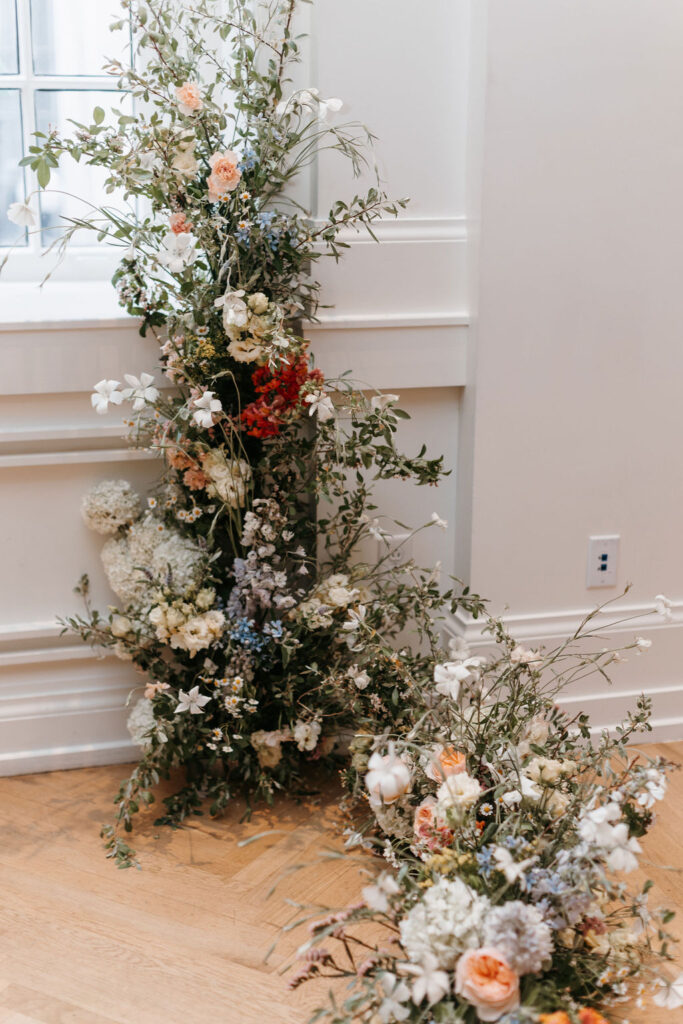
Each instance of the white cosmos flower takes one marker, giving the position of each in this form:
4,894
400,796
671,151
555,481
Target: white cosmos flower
431,983
450,674
379,402
663,607
320,403
235,309
180,251
670,995
22,214
206,407
596,826
511,868
355,619
377,896
192,701
622,856
396,993
106,392
141,390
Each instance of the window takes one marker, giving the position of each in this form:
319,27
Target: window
51,57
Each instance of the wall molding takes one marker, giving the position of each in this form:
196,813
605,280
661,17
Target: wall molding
62,704
615,624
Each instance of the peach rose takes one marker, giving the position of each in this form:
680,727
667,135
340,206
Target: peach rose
425,828
588,1015
485,979
224,175
179,224
189,98
446,761
559,1017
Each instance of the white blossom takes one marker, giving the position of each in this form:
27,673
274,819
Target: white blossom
388,777
306,734
670,994
431,983
380,402
663,607
105,393
193,701
206,408
141,389
377,895
180,251
438,521
320,403
22,214
235,309
447,920
396,993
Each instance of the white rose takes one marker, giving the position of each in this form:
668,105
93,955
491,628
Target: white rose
120,625
185,162
258,303
306,734
456,793
544,769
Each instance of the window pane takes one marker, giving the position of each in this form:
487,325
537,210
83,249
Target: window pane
9,58
55,108
72,37
11,176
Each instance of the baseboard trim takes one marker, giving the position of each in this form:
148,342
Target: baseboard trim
86,755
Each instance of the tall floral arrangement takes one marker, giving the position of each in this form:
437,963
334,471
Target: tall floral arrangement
240,590
509,831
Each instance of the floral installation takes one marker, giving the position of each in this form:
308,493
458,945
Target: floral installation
240,587
508,831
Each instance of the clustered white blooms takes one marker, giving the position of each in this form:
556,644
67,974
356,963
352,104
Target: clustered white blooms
254,325
449,919
146,554
185,625
109,506
142,724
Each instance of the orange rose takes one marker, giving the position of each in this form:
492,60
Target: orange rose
189,98
425,828
485,979
224,175
559,1017
179,224
445,762
590,1016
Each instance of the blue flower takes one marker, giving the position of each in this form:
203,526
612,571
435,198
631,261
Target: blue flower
246,635
274,629
484,860
249,159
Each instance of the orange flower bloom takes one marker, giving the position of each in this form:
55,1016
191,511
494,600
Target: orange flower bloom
590,1016
224,175
559,1017
179,224
445,762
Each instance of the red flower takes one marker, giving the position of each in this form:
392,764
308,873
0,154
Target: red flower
280,394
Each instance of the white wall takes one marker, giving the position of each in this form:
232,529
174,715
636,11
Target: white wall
577,413
399,321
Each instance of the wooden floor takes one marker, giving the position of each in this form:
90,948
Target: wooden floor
183,941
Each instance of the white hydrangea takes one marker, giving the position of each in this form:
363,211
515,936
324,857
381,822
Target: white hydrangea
141,722
110,505
448,920
520,933
156,547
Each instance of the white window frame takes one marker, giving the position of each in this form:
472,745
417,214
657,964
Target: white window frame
26,262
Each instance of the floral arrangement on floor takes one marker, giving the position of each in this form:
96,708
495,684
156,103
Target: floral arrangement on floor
509,832
240,587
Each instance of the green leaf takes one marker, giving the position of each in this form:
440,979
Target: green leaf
98,115
43,172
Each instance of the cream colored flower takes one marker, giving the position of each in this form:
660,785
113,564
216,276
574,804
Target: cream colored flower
185,162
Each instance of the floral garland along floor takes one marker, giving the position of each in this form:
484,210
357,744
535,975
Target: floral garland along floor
268,638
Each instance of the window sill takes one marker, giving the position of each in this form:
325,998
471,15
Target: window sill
60,305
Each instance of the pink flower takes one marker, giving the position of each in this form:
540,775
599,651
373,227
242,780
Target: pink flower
189,98
179,224
224,175
485,979
427,830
